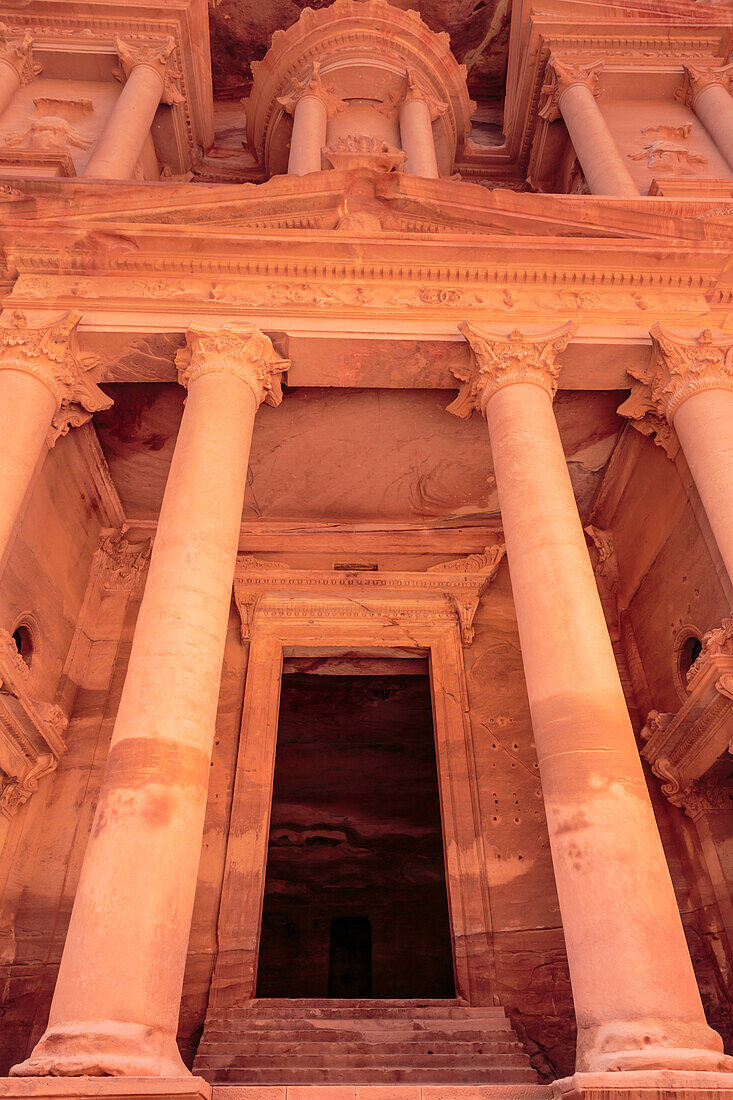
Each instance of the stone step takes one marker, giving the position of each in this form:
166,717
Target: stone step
490,1091
292,1075
254,1012
344,1059
283,1004
388,1034
244,1045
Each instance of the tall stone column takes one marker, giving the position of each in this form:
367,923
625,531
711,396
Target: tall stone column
311,103
44,390
149,79
571,91
688,385
418,111
16,64
637,1007
707,92
117,999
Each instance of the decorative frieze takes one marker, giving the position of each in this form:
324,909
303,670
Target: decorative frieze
564,73
241,350
18,53
678,369
498,361
49,351
153,53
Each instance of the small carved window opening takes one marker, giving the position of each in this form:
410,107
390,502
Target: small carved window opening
687,649
23,640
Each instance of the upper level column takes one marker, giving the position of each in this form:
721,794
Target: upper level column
418,111
311,103
16,65
636,1007
44,390
707,91
150,78
571,91
689,384
117,998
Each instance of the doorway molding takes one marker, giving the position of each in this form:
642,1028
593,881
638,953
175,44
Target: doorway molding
287,612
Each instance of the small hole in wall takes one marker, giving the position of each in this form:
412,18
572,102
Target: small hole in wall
23,640
690,650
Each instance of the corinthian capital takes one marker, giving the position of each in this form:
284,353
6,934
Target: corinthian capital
17,51
241,350
698,78
677,369
498,361
311,85
50,353
414,90
561,74
155,54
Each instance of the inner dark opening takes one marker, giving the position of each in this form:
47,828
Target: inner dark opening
355,897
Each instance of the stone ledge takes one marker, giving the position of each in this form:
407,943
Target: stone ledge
645,1085
382,1092
119,1088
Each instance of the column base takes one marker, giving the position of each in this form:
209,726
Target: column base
105,1088
92,1049
660,1084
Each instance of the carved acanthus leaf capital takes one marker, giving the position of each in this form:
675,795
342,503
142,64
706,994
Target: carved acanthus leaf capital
487,562
414,90
564,73
706,797
17,51
498,361
678,369
241,350
119,563
311,85
698,78
16,790
155,54
50,353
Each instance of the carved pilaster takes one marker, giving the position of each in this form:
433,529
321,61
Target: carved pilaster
50,353
18,53
311,85
561,74
678,369
498,361
241,350
155,54
121,564
697,78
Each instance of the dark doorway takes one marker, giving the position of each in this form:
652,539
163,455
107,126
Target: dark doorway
355,899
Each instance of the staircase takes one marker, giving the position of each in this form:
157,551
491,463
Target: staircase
375,1042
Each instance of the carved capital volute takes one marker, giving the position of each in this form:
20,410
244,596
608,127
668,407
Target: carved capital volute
50,353
698,78
17,52
415,91
155,54
561,74
498,361
311,85
679,368
241,350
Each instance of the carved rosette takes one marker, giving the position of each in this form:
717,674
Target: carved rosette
50,353
678,369
241,350
18,53
498,361
311,85
561,74
155,54
698,78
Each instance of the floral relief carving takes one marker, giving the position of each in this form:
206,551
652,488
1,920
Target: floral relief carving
14,792
50,353
241,350
564,73
18,53
498,361
364,151
121,564
156,54
487,562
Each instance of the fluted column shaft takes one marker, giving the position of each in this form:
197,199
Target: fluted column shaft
41,382
571,92
116,1004
636,1007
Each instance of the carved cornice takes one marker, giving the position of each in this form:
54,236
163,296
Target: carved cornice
155,54
269,589
31,732
311,85
678,369
18,54
561,74
498,361
50,353
241,350
120,565
700,77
